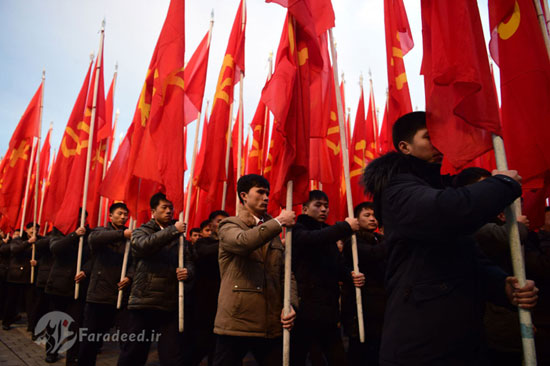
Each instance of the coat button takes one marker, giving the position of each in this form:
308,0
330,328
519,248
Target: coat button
236,286
258,288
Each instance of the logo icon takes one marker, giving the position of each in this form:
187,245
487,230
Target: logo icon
53,329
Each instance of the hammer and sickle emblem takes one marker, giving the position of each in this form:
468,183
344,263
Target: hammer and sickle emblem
21,152
223,81
507,29
68,152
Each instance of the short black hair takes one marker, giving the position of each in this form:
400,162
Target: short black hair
406,127
316,195
470,176
249,181
204,224
116,205
80,212
194,230
217,213
156,198
367,205
31,224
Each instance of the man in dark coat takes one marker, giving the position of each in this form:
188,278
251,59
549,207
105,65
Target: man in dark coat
207,286
318,267
44,260
436,279
153,303
19,277
61,284
4,264
107,246
371,252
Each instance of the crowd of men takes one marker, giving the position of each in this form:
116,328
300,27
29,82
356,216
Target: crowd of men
436,288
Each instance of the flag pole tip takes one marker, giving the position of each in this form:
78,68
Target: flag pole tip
92,56
103,24
212,15
116,66
117,111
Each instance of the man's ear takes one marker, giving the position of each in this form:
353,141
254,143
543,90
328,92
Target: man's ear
243,196
404,147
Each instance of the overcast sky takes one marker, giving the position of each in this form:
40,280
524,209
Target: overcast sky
59,35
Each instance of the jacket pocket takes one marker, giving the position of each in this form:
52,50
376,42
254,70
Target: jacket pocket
433,289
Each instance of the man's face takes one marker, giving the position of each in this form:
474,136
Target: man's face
421,147
163,213
216,222
119,217
547,219
194,237
317,209
16,234
256,200
29,231
206,232
367,221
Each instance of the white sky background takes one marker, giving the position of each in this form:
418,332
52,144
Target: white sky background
59,35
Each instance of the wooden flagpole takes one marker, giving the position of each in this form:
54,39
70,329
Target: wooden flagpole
511,212
227,152
44,184
108,163
125,263
547,16
89,157
37,177
240,118
345,158
542,22
374,117
266,118
102,200
28,184
288,273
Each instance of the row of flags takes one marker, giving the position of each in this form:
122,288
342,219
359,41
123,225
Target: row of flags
301,142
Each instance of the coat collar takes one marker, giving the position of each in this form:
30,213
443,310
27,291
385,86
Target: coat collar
248,218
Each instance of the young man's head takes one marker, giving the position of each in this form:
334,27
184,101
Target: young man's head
546,226
215,217
194,235
470,176
364,212
410,137
162,210
205,230
253,191
16,233
118,214
29,229
316,206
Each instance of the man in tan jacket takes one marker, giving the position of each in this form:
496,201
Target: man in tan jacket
251,258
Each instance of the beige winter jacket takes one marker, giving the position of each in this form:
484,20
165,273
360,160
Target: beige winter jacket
251,259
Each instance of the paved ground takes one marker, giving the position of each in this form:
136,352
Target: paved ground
18,349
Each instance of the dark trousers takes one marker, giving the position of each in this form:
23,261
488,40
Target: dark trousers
3,297
146,326
328,340
204,344
74,308
98,319
39,307
231,350
14,293
363,354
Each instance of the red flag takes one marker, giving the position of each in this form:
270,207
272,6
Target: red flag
385,142
195,79
219,126
525,87
72,145
14,168
316,16
66,220
461,105
398,43
287,96
158,152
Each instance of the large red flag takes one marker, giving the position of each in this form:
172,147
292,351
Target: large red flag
398,43
195,79
66,219
160,155
524,85
14,168
218,132
461,104
72,145
287,96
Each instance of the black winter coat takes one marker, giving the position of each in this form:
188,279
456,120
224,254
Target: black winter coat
437,280
65,251
155,252
4,259
371,252
45,260
207,281
19,270
318,267
107,246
